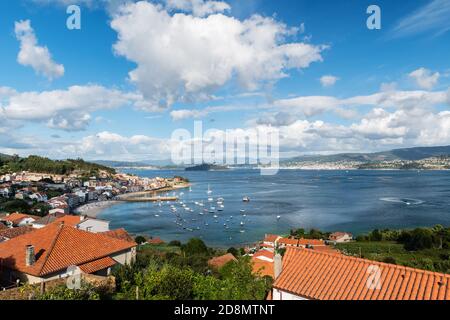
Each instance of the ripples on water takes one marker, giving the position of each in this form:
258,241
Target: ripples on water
354,201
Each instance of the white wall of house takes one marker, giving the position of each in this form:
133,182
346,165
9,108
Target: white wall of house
125,257
26,221
94,225
283,295
344,238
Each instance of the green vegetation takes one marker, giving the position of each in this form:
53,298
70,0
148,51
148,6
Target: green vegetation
166,272
423,248
140,240
45,165
22,206
312,234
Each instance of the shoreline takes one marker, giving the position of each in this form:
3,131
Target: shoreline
94,209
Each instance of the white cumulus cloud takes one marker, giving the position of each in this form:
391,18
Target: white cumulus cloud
181,57
424,78
63,109
31,54
328,80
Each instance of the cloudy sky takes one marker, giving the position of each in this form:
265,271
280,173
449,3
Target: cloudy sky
138,70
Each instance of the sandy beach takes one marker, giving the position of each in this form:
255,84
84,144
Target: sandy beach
93,209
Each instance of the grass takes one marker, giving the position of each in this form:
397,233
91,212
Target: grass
387,251
158,248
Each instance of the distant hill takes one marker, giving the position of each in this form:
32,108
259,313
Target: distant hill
417,153
134,164
46,165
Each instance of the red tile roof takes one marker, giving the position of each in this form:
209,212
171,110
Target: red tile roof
310,242
98,265
119,234
324,276
264,253
16,218
271,238
11,233
262,268
155,241
288,242
68,220
219,262
58,247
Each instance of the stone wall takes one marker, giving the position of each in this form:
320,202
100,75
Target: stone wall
27,292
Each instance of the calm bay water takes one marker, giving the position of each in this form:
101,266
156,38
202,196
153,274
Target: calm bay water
353,201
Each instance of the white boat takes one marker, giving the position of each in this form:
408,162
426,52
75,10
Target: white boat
246,199
242,223
157,215
215,216
242,210
209,190
278,217
210,199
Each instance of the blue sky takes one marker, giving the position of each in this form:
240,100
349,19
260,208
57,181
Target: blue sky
387,88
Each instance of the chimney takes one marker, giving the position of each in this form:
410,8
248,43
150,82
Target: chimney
278,265
29,256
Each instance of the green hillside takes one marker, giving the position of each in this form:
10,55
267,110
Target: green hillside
10,164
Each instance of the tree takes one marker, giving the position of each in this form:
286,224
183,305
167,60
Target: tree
166,283
233,251
195,246
420,239
175,243
140,240
237,282
376,235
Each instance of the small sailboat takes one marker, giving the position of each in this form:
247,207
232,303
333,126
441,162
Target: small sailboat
209,190
242,223
246,199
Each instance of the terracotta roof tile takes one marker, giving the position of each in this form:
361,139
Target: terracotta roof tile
271,238
98,265
58,247
310,242
262,268
68,220
327,276
18,217
264,254
219,262
11,233
288,242
119,234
